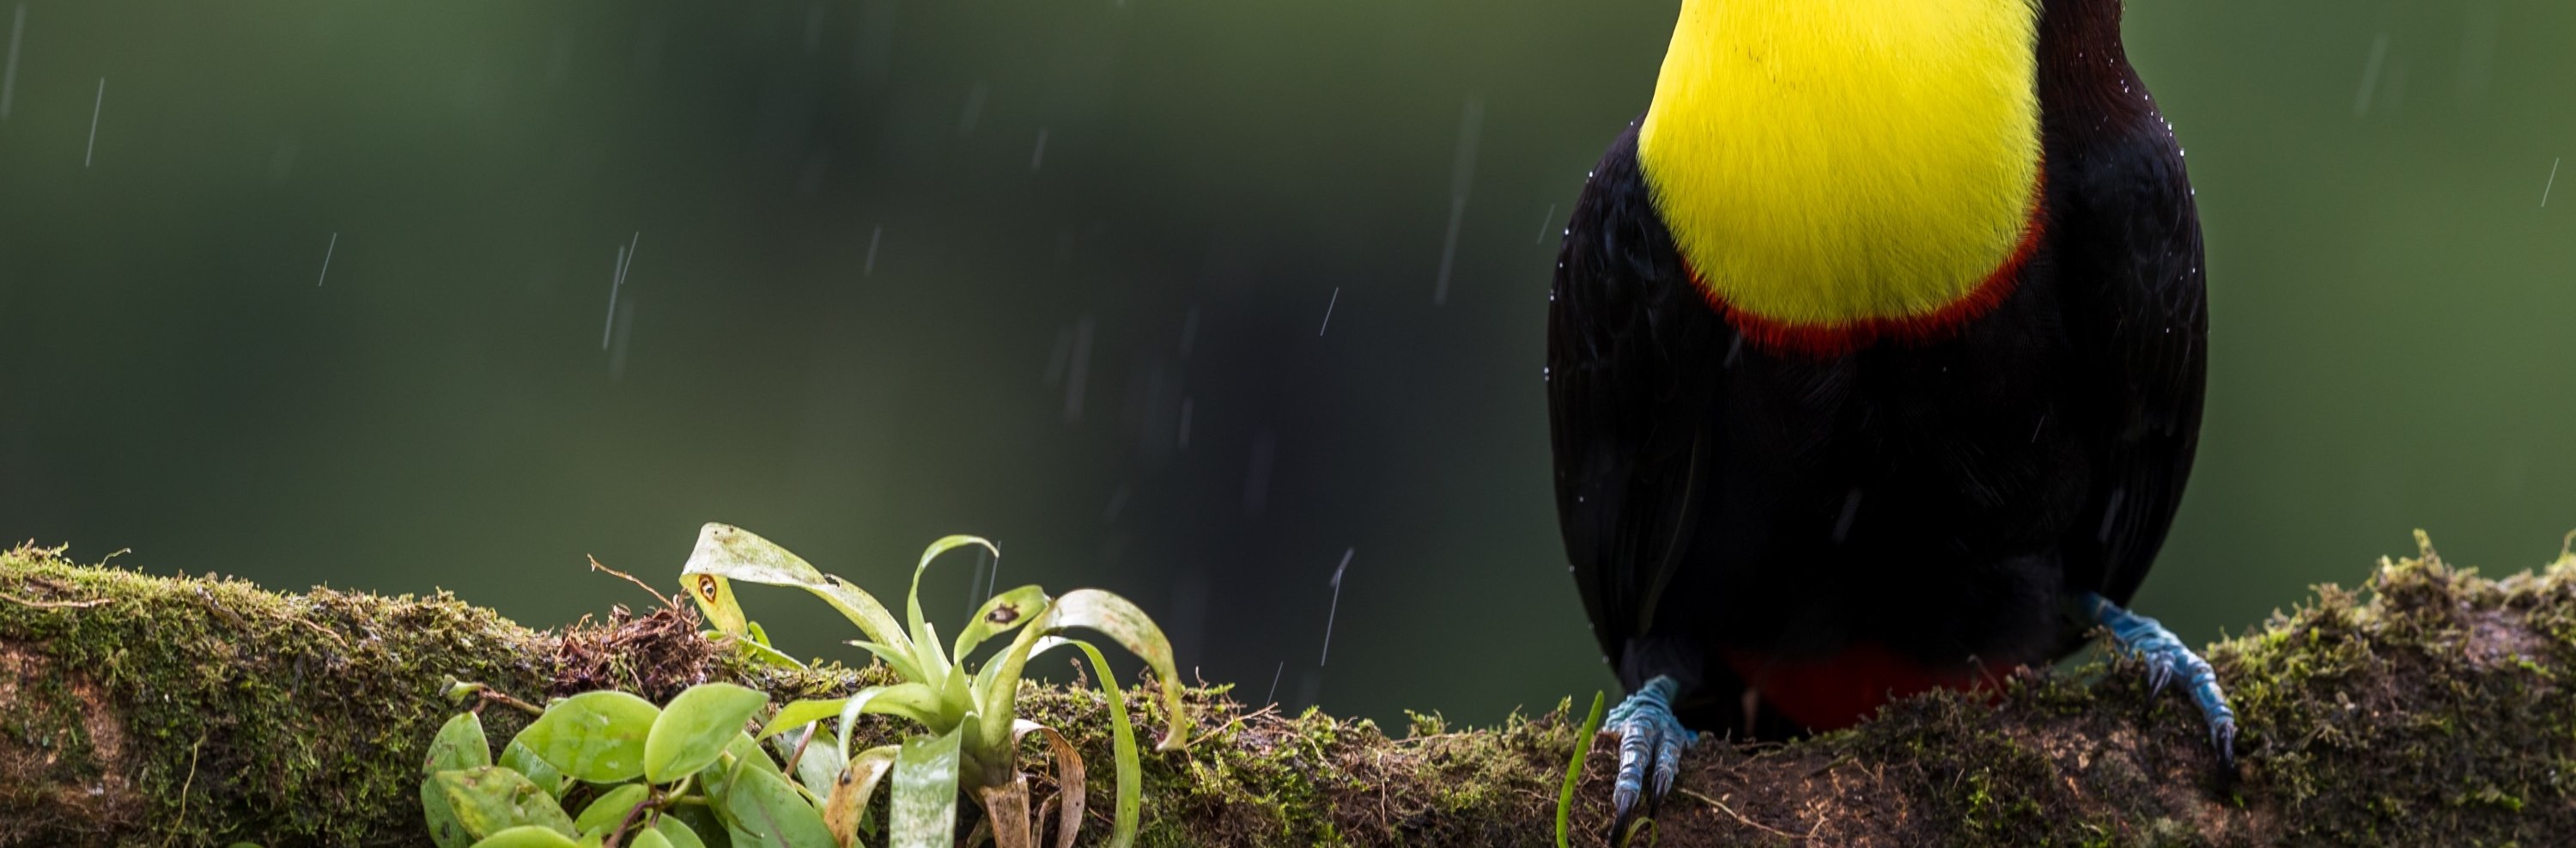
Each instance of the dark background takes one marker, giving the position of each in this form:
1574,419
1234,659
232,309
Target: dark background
914,267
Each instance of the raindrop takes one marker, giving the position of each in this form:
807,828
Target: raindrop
874,238
617,280
1462,177
2370,76
1039,155
1273,697
94,109
9,78
2110,515
1328,311
1543,218
1851,510
625,336
326,260
975,594
2552,183
1336,608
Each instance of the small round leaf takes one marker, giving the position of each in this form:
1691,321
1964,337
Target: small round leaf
696,727
460,744
610,808
516,757
491,799
766,812
594,736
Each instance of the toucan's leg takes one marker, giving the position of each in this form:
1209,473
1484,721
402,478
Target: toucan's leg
1651,741
2166,659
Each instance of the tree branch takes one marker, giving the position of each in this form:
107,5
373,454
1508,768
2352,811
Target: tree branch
2425,709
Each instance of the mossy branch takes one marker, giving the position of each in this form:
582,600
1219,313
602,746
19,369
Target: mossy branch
2426,709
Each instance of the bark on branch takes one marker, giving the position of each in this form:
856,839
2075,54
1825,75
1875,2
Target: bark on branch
2426,709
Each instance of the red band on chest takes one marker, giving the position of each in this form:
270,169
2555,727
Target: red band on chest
1838,691
1836,339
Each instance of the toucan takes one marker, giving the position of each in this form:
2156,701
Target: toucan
1876,349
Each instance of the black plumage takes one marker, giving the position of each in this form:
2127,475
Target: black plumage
1728,507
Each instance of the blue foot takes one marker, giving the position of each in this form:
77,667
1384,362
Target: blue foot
2166,658
1651,741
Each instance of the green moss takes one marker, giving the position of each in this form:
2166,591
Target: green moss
2423,708
216,688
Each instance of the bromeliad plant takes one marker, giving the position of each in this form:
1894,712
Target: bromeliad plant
688,774
969,724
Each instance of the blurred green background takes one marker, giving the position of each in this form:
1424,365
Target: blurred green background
1054,272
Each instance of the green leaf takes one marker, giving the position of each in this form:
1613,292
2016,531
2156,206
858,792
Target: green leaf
1002,614
611,807
746,756
997,686
895,658
649,839
594,736
924,811
714,595
692,826
767,654
925,640
695,727
460,744
1124,623
727,551
527,837
517,757
491,799
1122,745
908,700
1574,769
819,764
763,811
748,751
801,713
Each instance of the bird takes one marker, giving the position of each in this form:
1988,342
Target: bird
1876,356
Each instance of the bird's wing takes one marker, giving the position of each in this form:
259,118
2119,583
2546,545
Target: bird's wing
2127,237
1633,350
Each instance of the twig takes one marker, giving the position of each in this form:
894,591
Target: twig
317,627
1722,807
665,599
490,695
184,786
56,604
810,732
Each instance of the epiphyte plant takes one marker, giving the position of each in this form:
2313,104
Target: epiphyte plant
688,774
675,776
969,723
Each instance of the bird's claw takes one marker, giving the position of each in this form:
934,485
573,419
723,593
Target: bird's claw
2167,658
1651,741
